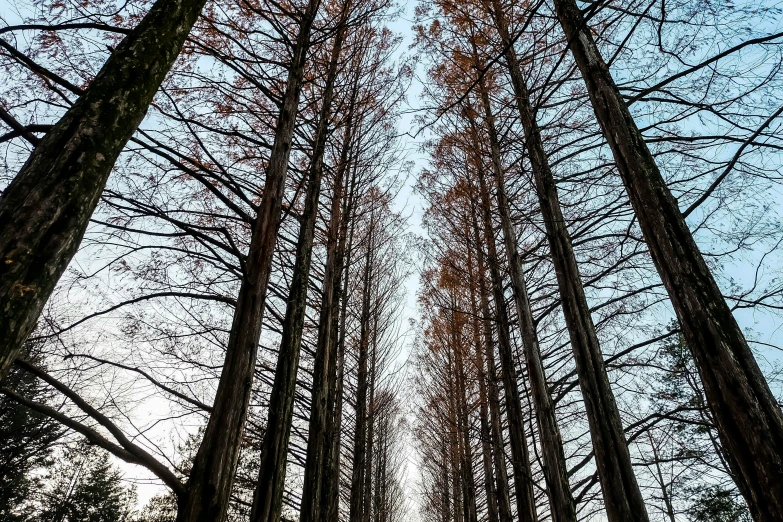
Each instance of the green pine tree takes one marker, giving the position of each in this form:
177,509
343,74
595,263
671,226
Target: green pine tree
87,487
27,442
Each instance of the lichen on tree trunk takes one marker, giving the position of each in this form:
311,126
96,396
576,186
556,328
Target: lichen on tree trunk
45,210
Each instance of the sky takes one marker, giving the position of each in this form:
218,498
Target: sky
412,205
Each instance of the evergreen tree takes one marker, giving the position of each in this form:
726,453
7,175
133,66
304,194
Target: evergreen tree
697,439
87,488
27,441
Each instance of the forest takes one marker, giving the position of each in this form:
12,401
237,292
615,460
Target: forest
388,261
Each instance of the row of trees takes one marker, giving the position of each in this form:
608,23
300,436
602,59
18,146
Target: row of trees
229,323
578,356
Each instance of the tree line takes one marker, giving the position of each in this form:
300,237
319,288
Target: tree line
204,266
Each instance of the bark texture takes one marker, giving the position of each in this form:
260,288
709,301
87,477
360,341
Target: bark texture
318,494
561,502
623,499
268,496
212,475
45,210
523,482
748,418
493,394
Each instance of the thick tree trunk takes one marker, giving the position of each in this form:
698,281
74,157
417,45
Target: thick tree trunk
212,475
622,497
749,420
561,502
45,210
268,496
523,480
493,394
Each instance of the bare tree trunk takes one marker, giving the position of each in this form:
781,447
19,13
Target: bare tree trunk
268,496
561,502
468,479
749,420
368,472
212,475
622,497
45,210
318,488
360,434
446,499
454,445
523,480
331,494
493,395
485,434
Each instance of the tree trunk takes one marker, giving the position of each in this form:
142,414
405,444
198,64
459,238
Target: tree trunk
493,394
212,475
360,434
317,480
331,495
561,502
45,210
622,497
468,479
268,496
749,420
523,480
368,472
485,434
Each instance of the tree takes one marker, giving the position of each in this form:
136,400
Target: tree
45,210
749,419
86,487
28,440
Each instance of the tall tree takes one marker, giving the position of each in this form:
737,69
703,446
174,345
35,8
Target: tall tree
44,212
622,497
749,419
268,497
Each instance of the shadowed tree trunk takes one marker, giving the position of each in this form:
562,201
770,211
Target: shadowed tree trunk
370,421
330,496
622,497
493,394
561,501
523,481
212,475
45,210
317,492
486,447
749,420
468,478
360,434
268,496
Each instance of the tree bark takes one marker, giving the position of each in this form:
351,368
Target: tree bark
486,447
493,395
45,210
360,434
268,495
561,502
523,481
622,497
319,492
212,475
749,420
